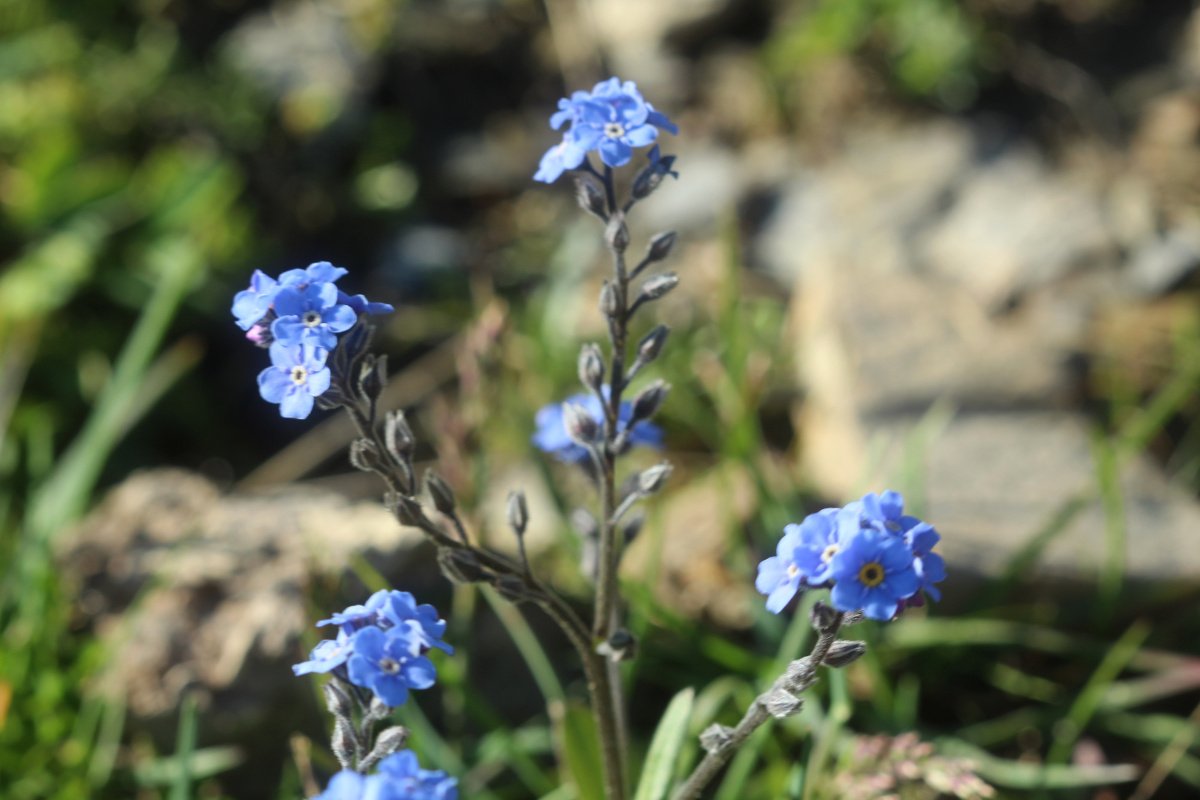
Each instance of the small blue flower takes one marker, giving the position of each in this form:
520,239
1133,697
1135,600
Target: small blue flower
350,785
389,664
394,609
317,272
408,781
613,118
251,305
311,314
362,305
873,572
297,375
930,566
551,434
328,655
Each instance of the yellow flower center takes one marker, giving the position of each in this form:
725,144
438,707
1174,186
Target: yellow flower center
792,570
871,574
299,375
311,319
614,130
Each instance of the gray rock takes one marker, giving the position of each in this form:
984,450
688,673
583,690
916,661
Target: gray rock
1160,264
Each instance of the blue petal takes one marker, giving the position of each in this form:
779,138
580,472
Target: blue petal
641,136
615,153
324,272
318,382
391,689
551,165
770,572
339,318
848,595
782,595
296,405
288,331
420,673
290,302
272,384
659,120
880,606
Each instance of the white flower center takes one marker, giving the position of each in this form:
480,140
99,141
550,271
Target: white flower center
311,319
828,553
389,665
614,130
792,570
299,375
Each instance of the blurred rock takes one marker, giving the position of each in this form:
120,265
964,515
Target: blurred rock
1162,263
192,589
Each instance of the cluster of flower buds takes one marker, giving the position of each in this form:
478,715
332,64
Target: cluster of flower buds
873,557
298,318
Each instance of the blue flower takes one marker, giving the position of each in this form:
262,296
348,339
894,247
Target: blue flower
328,655
613,118
362,305
389,664
551,434
407,781
803,558
394,609
297,375
930,566
251,305
317,272
873,572
350,785
311,314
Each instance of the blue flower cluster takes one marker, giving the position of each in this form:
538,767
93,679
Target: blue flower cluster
551,434
381,646
298,317
613,119
875,558
400,777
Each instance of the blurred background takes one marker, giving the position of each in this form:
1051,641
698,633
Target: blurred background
946,247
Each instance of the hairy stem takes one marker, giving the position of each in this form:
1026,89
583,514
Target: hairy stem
799,676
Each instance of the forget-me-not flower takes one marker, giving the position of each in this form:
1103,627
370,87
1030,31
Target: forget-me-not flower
873,572
389,663
296,376
328,655
311,314
404,775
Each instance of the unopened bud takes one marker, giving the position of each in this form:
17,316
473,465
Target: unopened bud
781,704
591,367
518,512
823,617
609,304
617,233
365,455
658,285
398,436
343,743
652,343
584,523
440,492
390,740
716,738
844,652
406,509
460,566
660,246
581,426
590,196
512,588
620,646
652,479
336,700
648,401
372,377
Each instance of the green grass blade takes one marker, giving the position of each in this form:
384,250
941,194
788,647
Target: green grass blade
663,755
185,747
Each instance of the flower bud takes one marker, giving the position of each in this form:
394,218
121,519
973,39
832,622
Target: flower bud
518,512
657,286
460,566
398,436
610,307
651,176
343,743
654,478
591,367
823,617
440,492
620,646
590,196
844,652
652,343
406,509
648,401
631,529
364,455
660,246
372,377
581,426
511,588
617,233
337,701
